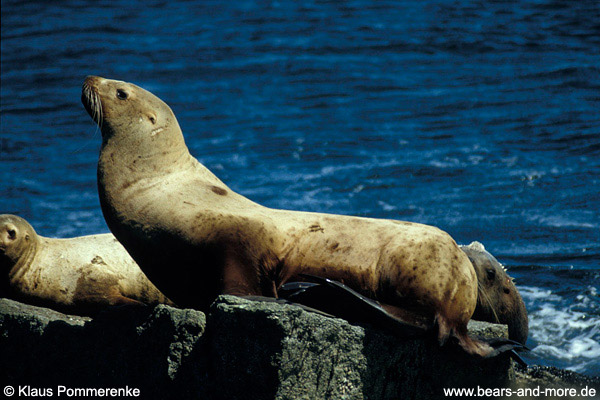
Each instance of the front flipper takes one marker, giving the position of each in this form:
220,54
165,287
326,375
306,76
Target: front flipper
120,300
339,300
99,302
282,300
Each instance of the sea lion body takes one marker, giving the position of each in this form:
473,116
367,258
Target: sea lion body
498,300
196,238
80,275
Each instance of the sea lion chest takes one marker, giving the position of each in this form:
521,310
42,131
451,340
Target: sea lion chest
194,224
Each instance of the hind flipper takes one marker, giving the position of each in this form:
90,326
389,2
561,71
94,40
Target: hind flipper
502,345
467,343
478,346
475,347
515,356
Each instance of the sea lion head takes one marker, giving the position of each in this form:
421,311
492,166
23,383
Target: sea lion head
135,117
498,300
17,238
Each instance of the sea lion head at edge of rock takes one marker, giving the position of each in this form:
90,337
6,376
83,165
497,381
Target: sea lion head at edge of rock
498,300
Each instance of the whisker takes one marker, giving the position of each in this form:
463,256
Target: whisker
100,119
486,298
92,103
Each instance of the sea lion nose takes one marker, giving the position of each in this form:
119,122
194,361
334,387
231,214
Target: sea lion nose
92,79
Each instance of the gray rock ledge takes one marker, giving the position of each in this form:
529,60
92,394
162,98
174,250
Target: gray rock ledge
241,350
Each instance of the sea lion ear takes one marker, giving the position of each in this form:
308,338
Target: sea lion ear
152,117
477,246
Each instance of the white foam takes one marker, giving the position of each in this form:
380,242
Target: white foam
560,331
448,162
386,207
586,347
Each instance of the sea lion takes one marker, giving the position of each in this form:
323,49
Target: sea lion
196,238
81,275
498,300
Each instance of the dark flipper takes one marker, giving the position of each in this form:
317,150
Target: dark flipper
515,356
339,300
120,300
502,345
284,301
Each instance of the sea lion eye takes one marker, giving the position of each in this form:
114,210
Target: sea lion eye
121,94
491,274
12,233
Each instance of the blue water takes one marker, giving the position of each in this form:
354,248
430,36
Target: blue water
482,118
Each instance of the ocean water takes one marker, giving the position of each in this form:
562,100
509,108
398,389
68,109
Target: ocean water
479,117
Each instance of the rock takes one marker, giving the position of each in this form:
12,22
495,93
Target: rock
242,350
546,376
141,348
285,352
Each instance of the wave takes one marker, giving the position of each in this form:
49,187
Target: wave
560,332
587,72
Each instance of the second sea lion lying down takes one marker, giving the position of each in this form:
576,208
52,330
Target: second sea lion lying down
81,275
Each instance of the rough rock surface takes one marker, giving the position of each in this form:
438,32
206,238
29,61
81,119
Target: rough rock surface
537,375
241,350
141,348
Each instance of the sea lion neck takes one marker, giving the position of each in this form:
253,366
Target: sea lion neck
25,260
130,156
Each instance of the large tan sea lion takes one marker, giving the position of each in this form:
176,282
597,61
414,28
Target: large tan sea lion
196,238
81,275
